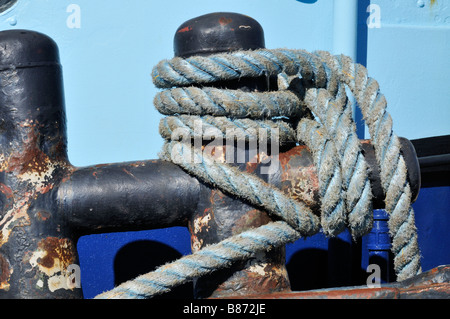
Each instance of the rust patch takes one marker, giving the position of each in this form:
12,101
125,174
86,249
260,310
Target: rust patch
29,163
268,277
138,164
255,161
16,217
3,163
251,167
6,191
217,153
217,197
46,188
224,21
185,29
251,219
259,276
303,188
129,173
53,255
5,273
436,291
299,177
32,159
199,225
432,284
285,157
43,215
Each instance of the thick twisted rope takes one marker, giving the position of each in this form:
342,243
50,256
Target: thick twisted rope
230,103
205,261
208,127
344,185
337,121
246,186
392,166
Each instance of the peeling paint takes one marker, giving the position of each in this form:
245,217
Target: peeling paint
196,243
201,223
251,219
40,178
53,258
43,215
224,21
186,29
138,164
53,255
258,268
5,273
5,190
261,267
57,282
40,283
3,163
33,160
299,177
30,164
17,216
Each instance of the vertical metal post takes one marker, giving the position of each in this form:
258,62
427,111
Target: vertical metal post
379,244
345,32
345,28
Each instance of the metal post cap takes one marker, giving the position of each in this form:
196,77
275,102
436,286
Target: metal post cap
412,164
218,32
24,48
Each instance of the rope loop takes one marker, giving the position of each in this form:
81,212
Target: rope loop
311,107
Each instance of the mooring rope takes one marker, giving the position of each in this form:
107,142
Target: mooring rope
310,107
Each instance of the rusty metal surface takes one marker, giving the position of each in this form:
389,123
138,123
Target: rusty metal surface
299,177
433,284
35,247
220,216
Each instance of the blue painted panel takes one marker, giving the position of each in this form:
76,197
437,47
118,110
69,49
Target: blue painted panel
107,259
408,56
432,212
413,72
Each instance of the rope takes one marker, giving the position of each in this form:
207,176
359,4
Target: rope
337,119
392,167
205,261
310,107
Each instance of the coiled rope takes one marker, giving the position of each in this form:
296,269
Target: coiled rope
312,95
